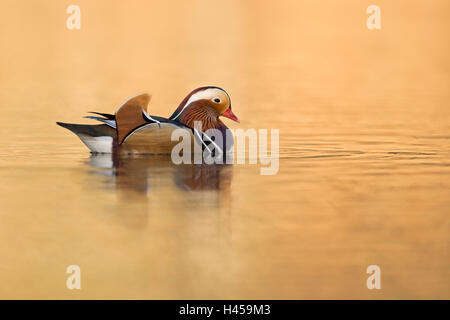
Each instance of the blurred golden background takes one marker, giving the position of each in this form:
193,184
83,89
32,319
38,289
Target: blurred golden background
364,146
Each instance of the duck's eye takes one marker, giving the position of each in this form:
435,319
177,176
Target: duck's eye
216,100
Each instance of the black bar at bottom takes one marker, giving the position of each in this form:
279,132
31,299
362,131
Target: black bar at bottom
227,309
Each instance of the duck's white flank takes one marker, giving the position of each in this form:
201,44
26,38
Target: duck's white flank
101,144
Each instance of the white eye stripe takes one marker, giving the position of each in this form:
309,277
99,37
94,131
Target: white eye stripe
205,94
194,97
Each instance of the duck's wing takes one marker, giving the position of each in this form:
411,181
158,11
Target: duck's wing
128,116
132,114
154,138
105,115
108,119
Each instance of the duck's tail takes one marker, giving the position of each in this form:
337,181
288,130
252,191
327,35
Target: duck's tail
98,138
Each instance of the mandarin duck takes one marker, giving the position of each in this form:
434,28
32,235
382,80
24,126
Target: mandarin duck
131,130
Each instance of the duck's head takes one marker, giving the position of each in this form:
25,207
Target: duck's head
205,104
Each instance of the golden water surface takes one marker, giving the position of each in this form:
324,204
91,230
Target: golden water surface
364,172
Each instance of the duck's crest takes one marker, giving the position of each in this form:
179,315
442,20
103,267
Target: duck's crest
193,95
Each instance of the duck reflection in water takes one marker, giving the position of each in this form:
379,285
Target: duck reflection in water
137,178
141,173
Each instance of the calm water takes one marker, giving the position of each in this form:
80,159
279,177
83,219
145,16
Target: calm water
364,121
